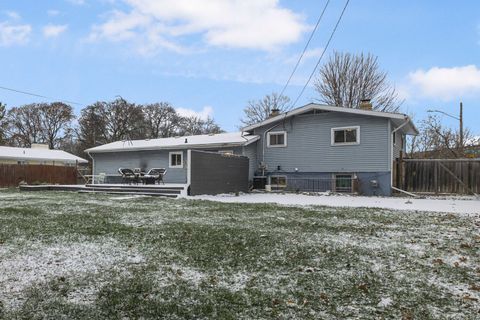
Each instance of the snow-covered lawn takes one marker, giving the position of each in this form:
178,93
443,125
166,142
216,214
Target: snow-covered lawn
97,256
468,205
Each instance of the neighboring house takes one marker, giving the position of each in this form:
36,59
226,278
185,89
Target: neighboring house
334,148
169,153
38,154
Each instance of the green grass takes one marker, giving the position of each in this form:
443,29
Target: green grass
77,256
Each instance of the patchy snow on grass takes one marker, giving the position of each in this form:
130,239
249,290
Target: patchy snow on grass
40,263
385,302
451,205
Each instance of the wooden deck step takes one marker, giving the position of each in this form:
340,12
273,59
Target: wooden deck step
154,194
134,190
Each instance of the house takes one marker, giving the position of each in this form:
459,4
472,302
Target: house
311,148
38,154
338,149
170,153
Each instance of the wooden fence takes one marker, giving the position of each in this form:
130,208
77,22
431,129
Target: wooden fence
437,176
12,174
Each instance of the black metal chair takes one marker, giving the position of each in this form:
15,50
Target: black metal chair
128,176
155,175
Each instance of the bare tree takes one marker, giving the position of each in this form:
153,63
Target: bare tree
345,79
122,120
90,127
25,125
3,124
161,120
259,110
438,141
55,121
196,125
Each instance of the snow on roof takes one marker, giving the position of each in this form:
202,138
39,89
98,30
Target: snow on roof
232,139
38,154
397,118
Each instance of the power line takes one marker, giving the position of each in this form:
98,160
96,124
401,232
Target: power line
305,49
321,56
39,95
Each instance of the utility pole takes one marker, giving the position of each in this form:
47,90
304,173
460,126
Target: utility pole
461,127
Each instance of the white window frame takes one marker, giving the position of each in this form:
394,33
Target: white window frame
332,136
278,185
277,145
180,166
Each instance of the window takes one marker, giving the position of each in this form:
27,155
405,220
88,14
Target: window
345,136
278,181
22,162
225,152
343,183
176,159
394,138
277,139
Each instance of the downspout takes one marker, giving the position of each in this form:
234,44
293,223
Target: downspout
93,167
407,120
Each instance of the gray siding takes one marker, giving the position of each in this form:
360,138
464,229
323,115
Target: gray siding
309,146
250,151
109,163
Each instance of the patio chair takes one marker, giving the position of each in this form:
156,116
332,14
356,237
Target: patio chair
128,176
155,175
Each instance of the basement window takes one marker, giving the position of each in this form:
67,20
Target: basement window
176,159
278,181
277,139
345,136
343,183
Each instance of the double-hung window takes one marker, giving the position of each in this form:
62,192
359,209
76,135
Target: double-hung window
345,136
176,159
277,139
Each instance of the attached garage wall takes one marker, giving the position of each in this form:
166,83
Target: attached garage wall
214,173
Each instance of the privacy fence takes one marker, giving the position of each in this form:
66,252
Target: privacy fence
437,176
12,174
214,173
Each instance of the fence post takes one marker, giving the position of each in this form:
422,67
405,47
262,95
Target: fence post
435,176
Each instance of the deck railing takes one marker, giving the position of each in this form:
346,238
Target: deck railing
341,185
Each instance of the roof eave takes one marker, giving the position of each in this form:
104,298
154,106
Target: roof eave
80,160
312,106
211,145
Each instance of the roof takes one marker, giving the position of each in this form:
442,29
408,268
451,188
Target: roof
232,139
398,119
38,154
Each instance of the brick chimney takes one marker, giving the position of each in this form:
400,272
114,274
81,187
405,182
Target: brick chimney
365,104
274,112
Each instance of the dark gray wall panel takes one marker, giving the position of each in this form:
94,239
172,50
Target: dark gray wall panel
214,173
